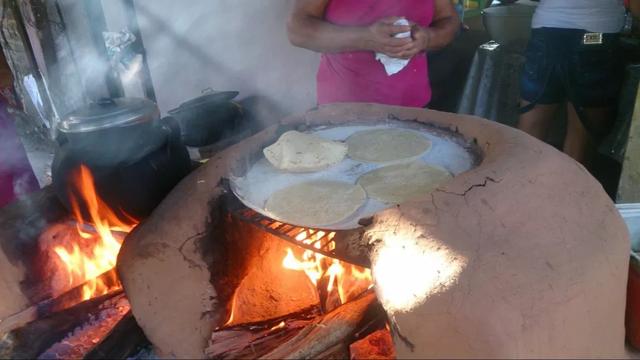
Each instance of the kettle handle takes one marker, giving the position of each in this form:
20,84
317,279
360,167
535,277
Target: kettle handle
172,127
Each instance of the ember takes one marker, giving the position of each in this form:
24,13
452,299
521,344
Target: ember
96,249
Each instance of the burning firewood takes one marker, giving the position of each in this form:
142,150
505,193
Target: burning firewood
330,330
255,340
124,340
337,352
302,335
47,307
70,272
30,340
85,337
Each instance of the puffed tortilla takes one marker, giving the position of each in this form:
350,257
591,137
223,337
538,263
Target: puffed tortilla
316,203
299,152
395,184
387,145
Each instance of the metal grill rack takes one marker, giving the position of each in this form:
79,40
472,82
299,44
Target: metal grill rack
320,241
331,243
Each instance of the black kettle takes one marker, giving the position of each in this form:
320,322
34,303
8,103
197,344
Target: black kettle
135,157
208,118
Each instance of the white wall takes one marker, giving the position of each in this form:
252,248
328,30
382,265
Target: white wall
226,45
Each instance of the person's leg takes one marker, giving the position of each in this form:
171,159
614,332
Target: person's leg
536,122
594,75
579,143
541,90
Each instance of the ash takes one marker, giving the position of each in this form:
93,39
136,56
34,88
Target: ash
85,337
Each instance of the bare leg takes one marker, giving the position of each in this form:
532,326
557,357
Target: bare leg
537,121
578,143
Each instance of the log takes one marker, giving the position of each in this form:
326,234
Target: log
29,341
257,339
85,337
339,351
125,340
332,329
376,346
21,224
50,306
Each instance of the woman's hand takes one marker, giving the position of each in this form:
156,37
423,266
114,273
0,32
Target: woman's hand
420,40
380,37
307,28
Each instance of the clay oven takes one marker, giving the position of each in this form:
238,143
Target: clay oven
523,255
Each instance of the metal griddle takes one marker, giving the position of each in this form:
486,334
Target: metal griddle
448,151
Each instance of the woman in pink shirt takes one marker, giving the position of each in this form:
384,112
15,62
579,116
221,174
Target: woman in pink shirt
349,33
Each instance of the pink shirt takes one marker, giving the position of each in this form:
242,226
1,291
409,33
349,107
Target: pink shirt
357,76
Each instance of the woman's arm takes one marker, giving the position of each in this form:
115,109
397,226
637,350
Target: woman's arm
439,34
306,28
444,27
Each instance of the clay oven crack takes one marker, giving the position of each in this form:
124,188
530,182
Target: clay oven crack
181,248
484,183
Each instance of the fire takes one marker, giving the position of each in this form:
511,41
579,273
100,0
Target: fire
101,235
347,279
280,325
232,311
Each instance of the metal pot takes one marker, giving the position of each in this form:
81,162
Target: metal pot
207,118
136,158
113,132
134,189
509,25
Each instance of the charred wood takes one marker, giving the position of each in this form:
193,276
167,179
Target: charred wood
88,335
50,306
326,332
256,339
123,342
30,340
21,272
337,352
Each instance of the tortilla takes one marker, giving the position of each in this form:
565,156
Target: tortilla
386,145
298,152
401,182
315,203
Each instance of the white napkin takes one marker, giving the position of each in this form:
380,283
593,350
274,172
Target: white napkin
393,65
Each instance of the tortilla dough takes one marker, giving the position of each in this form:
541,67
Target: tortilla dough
298,152
401,182
316,203
385,145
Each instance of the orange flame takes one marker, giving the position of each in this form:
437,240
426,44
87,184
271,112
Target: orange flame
347,279
232,311
102,235
280,325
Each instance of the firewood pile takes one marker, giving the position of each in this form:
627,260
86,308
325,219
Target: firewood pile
310,334
41,316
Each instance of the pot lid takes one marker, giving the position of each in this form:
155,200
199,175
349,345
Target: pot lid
107,113
209,97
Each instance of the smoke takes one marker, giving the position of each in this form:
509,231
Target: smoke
22,184
190,46
16,177
227,45
11,155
